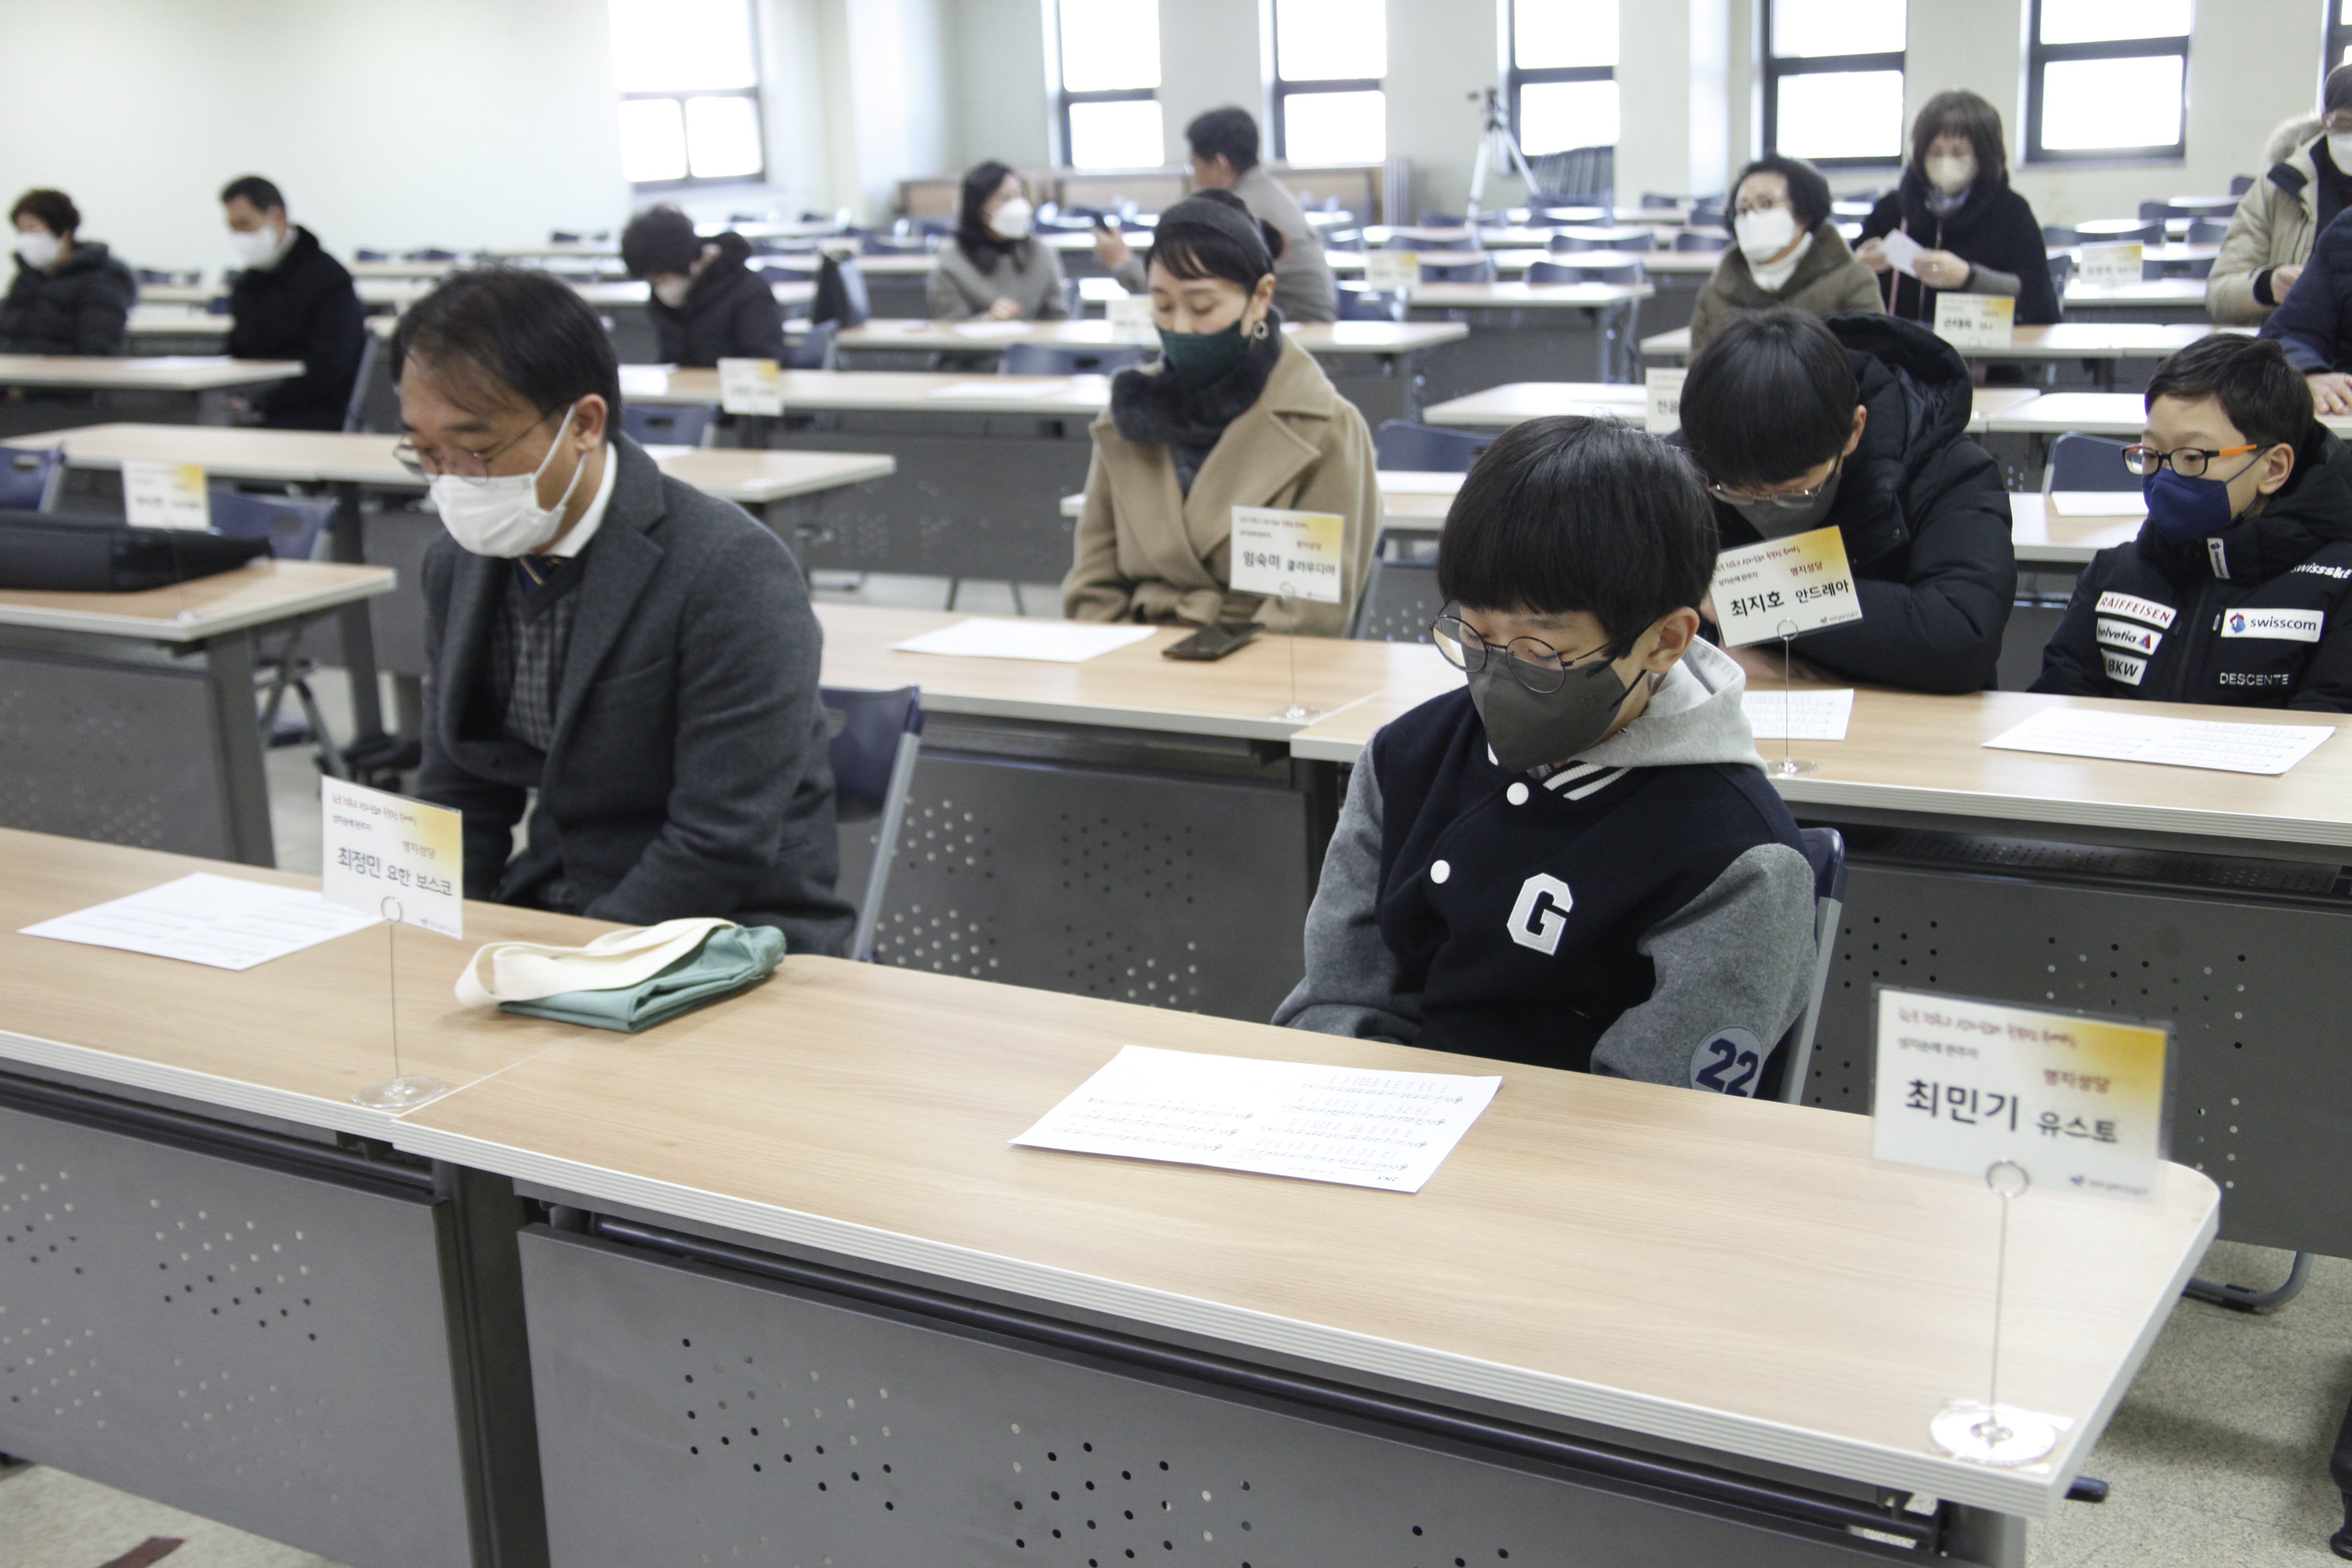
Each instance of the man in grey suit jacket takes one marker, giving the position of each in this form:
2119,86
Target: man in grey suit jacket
640,655
1224,157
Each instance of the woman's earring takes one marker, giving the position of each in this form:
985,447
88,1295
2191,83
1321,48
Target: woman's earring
1260,331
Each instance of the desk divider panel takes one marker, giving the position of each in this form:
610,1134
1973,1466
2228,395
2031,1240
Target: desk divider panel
118,752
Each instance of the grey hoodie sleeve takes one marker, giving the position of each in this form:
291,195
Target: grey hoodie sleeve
1130,274
1735,967
1350,986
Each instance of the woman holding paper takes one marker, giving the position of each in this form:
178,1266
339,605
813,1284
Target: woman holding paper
1788,253
994,269
1233,415
1953,225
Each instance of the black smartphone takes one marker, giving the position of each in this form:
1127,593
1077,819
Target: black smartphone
1213,641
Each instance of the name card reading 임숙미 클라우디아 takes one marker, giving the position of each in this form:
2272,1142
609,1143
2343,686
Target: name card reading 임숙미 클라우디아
1293,554
2076,1102
165,495
1976,321
750,386
1784,587
392,857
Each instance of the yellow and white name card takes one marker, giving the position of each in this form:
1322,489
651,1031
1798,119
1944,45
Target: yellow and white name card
750,386
1295,555
1662,400
1130,320
394,857
1391,270
2111,266
165,495
1976,321
1784,588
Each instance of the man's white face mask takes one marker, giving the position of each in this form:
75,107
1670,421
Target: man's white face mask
501,515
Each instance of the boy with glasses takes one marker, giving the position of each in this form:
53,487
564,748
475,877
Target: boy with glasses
2232,592
1575,861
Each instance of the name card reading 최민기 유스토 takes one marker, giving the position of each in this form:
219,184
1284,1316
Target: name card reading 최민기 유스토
392,857
1976,321
2076,1102
2110,266
750,386
1662,400
1295,555
1784,587
165,495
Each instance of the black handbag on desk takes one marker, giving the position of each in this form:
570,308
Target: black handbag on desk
60,553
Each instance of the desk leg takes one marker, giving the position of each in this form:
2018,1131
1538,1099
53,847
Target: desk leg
1981,1536
1407,368
1321,785
476,1219
236,739
358,628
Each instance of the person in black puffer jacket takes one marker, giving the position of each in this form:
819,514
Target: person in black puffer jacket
292,300
2235,590
70,296
707,305
1860,421
1955,198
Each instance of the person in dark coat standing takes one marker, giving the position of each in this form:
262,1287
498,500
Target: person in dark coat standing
1860,422
2313,323
291,300
1955,198
641,655
2238,591
708,303
70,296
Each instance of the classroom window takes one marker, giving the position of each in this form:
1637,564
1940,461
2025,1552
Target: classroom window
1329,57
2339,35
1834,79
2106,79
688,76
1563,74
1110,83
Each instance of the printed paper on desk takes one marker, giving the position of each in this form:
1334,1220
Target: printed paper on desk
1054,642
221,922
2110,266
2077,1103
378,845
1774,715
1130,320
165,495
2098,503
1784,587
994,328
1662,404
750,386
1903,252
2269,749
1357,1127
1391,270
1296,554
1976,321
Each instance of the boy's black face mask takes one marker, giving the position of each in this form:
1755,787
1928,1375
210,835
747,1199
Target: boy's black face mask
1531,728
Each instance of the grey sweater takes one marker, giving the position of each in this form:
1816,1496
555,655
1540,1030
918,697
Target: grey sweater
1030,275
1304,288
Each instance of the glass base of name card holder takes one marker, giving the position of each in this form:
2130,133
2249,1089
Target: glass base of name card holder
1996,1434
399,1093
402,1091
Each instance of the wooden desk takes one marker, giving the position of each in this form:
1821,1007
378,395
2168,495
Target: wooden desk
2098,344
163,329
1406,495
395,268
888,392
135,711
172,373
853,1122
1500,407
2044,537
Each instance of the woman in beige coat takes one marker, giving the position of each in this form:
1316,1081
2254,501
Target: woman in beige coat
1233,414
2303,185
1788,252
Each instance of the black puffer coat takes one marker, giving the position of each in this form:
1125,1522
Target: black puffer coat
731,312
81,309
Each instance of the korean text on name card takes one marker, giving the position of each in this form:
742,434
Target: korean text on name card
394,857
750,386
1976,321
1784,587
1295,555
1388,271
1662,400
2110,266
165,495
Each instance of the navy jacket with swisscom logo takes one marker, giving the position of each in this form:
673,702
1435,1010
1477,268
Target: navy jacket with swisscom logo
2254,617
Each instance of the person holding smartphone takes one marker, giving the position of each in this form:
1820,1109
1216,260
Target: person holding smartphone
994,269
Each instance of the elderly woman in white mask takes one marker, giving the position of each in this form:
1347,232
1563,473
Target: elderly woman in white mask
994,269
1788,253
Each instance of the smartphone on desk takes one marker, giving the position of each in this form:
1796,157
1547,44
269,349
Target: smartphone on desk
1213,641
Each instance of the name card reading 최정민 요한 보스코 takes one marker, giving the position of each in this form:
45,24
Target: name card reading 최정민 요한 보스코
392,857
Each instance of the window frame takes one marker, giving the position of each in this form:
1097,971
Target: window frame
1284,89
678,96
1064,98
2339,33
1778,68
1516,76
2038,55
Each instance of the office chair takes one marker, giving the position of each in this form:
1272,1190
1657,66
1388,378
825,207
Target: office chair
873,756
292,525
1070,359
30,480
1400,444
1400,597
1479,270
1788,1068
2080,462
668,425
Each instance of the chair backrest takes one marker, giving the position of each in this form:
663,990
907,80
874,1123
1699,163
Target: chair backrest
355,408
290,523
1415,242
1477,269
873,754
1399,600
2208,230
2116,231
1345,240
1431,218
668,425
1359,302
1702,240
1575,240
814,350
30,480
2240,183
1572,271
1400,444
430,254
841,293
2054,235
1070,359
2062,269
1791,1065
2080,462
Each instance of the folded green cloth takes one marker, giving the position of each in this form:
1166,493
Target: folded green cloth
733,959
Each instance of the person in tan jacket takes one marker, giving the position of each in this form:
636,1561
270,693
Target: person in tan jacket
1787,252
1233,414
2305,184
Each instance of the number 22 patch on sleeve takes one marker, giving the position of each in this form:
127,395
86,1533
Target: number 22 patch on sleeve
1728,1061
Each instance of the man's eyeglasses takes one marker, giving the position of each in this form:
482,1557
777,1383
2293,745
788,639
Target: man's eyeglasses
474,468
1791,501
1531,661
2188,462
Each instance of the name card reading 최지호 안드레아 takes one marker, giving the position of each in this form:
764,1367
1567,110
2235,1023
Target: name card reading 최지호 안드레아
1292,555
1388,271
1784,587
1976,321
1662,400
165,495
2076,1102
392,857
750,386
2110,266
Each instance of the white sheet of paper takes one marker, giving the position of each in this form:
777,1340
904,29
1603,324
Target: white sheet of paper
1056,642
1006,390
2175,742
1797,715
993,328
1358,1128
2098,503
1903,252
203,918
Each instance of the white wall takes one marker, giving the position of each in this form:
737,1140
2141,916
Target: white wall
386,123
